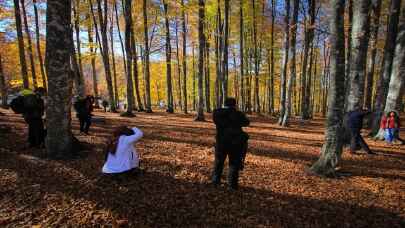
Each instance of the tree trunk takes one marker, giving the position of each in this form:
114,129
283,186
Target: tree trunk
271,63
179,88
368,91
169,89
114,68
291,80
256,57
3,86
201,45
194,81
184,57
225,53
283,78
76,13
241,47
349,48
23,63
332,148
129,57
147,70
389,49
58,37
38,44
93,61
102,16
136,72
397,73
207,78
308,40
359,45
78,78
117,22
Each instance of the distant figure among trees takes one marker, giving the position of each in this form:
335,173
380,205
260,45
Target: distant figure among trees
120,154
231,141
391,125
84,108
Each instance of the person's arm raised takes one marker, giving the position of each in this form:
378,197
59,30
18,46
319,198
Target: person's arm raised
138,134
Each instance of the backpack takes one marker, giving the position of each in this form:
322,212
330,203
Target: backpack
17,105
31,102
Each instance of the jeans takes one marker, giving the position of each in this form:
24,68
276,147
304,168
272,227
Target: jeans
85,122
357,140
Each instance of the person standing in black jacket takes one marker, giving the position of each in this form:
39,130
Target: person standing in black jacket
34,109
231,141
355,124
84,108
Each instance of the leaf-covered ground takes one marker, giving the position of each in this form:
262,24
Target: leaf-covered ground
174,191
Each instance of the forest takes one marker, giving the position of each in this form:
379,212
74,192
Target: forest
297,69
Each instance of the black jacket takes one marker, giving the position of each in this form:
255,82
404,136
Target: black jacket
355,119
229,123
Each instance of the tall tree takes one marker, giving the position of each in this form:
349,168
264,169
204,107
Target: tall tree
385,73
114,66
76,14
332,148
225,51
308,40
3,87
241,52
30,53
58,37
146,56
179,88
128,51
102,17
207,77
201,46
21,49
368,91
38,45
256,58
92,59
283,79
291,79
77,76
169,92
270,84
359,45
397,78
117,22
183,16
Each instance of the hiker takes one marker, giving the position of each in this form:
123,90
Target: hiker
231,141
121,155
391,124
355,124
84,108
34,108
105,104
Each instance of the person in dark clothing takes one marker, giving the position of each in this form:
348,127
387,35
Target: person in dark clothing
231,141
34,108
84,108
355,124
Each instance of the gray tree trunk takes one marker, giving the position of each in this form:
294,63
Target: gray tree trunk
76,13
271,63
58,37
207,78
114,68
332,148
178,66
147,68
77,76
183,16
291,80
201,46
38,45
241,53
117,22
283,78
397,73
257,61
93,60
169,89
368,91
128,50
358,59
21,50
385,72
225,51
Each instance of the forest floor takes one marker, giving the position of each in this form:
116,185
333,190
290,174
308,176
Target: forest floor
175,191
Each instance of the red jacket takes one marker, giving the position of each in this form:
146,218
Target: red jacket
389,122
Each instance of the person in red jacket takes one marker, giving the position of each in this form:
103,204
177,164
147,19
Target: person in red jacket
391,124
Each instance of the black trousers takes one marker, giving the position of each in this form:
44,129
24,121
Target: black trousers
357,142
236,156
85,122
36,132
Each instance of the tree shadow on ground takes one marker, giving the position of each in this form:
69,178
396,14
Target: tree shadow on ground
159,199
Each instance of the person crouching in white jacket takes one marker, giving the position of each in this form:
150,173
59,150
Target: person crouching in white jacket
121,155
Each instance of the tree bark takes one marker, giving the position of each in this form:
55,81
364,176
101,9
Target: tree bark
38,44
147,69
207,78
169,89
359,45
349,48
114,68
78,78
368,91
225,52
201,46
58,37
257,60
283,79
3,86
136,73
332,148
93,61
117,22
179,88
385,73
23,63
241,53
129,57
271,63
291,80
183,15
76,13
